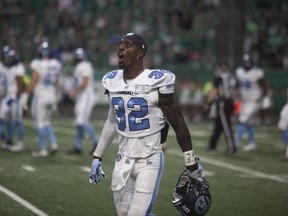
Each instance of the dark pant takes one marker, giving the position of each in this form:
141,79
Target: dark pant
222,123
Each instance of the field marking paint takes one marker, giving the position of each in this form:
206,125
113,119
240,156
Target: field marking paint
233,167
63,130
201,133
28,168
86,169
21,201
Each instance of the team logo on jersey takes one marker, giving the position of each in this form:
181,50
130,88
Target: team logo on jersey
111,75
142,88
118,157
149,162
127,161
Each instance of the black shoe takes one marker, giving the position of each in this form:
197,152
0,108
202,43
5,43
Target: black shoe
2,137
53,151
74,151
230,152
283,158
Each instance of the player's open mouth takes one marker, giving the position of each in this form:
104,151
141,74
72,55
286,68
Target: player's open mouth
120,57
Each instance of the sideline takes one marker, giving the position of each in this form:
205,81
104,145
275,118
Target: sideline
233,167
21,201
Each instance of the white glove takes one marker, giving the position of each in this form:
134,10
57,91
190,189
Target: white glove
96,172
196,174
24,101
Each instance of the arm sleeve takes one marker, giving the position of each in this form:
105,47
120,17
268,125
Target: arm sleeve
107,135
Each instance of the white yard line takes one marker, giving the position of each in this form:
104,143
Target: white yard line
28,168
233,167
22,202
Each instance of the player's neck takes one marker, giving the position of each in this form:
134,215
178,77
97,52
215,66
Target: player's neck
133,72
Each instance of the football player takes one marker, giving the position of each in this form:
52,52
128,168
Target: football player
45,84
3,92
83,94
283,127
252,87
11,110
140,102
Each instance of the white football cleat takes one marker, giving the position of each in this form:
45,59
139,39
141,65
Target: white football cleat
17,148
249,147
41,153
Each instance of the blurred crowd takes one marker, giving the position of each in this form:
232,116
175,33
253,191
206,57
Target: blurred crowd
266,32
177,31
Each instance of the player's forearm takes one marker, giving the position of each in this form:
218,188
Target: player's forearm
183,138
106,138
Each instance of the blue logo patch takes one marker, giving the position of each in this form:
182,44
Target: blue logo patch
202,205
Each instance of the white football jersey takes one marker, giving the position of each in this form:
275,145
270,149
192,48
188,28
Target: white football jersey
250,91
283,120
3,81
136,102
48,70
84,69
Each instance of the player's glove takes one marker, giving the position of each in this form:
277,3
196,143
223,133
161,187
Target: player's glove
96,172
196,173
10,101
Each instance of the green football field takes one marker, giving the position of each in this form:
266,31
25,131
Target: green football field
247,184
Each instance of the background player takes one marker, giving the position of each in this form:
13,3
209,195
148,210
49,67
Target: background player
83,93
283,127
252,88
11,109
45,84
140,101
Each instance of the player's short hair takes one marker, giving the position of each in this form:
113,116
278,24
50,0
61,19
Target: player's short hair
138,41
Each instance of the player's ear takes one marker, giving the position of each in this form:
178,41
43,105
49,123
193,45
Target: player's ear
140,55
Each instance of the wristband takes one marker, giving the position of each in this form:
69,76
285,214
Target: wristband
189,158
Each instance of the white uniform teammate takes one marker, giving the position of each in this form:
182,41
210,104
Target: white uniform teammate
11,109
283,127
45,83
84,97
252,88
140,101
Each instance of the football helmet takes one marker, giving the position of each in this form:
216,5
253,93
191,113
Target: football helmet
247,61
44,49
4,51
10,58
80,55
191,197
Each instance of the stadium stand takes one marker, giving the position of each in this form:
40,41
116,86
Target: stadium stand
181,34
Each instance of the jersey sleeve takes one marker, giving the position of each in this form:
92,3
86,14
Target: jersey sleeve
260,73
19,70
86,69
163,80
35,65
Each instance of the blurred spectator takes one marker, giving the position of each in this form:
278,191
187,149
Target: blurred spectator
185,97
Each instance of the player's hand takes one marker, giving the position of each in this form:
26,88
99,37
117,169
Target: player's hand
196,174
24,101
96,172
10,101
